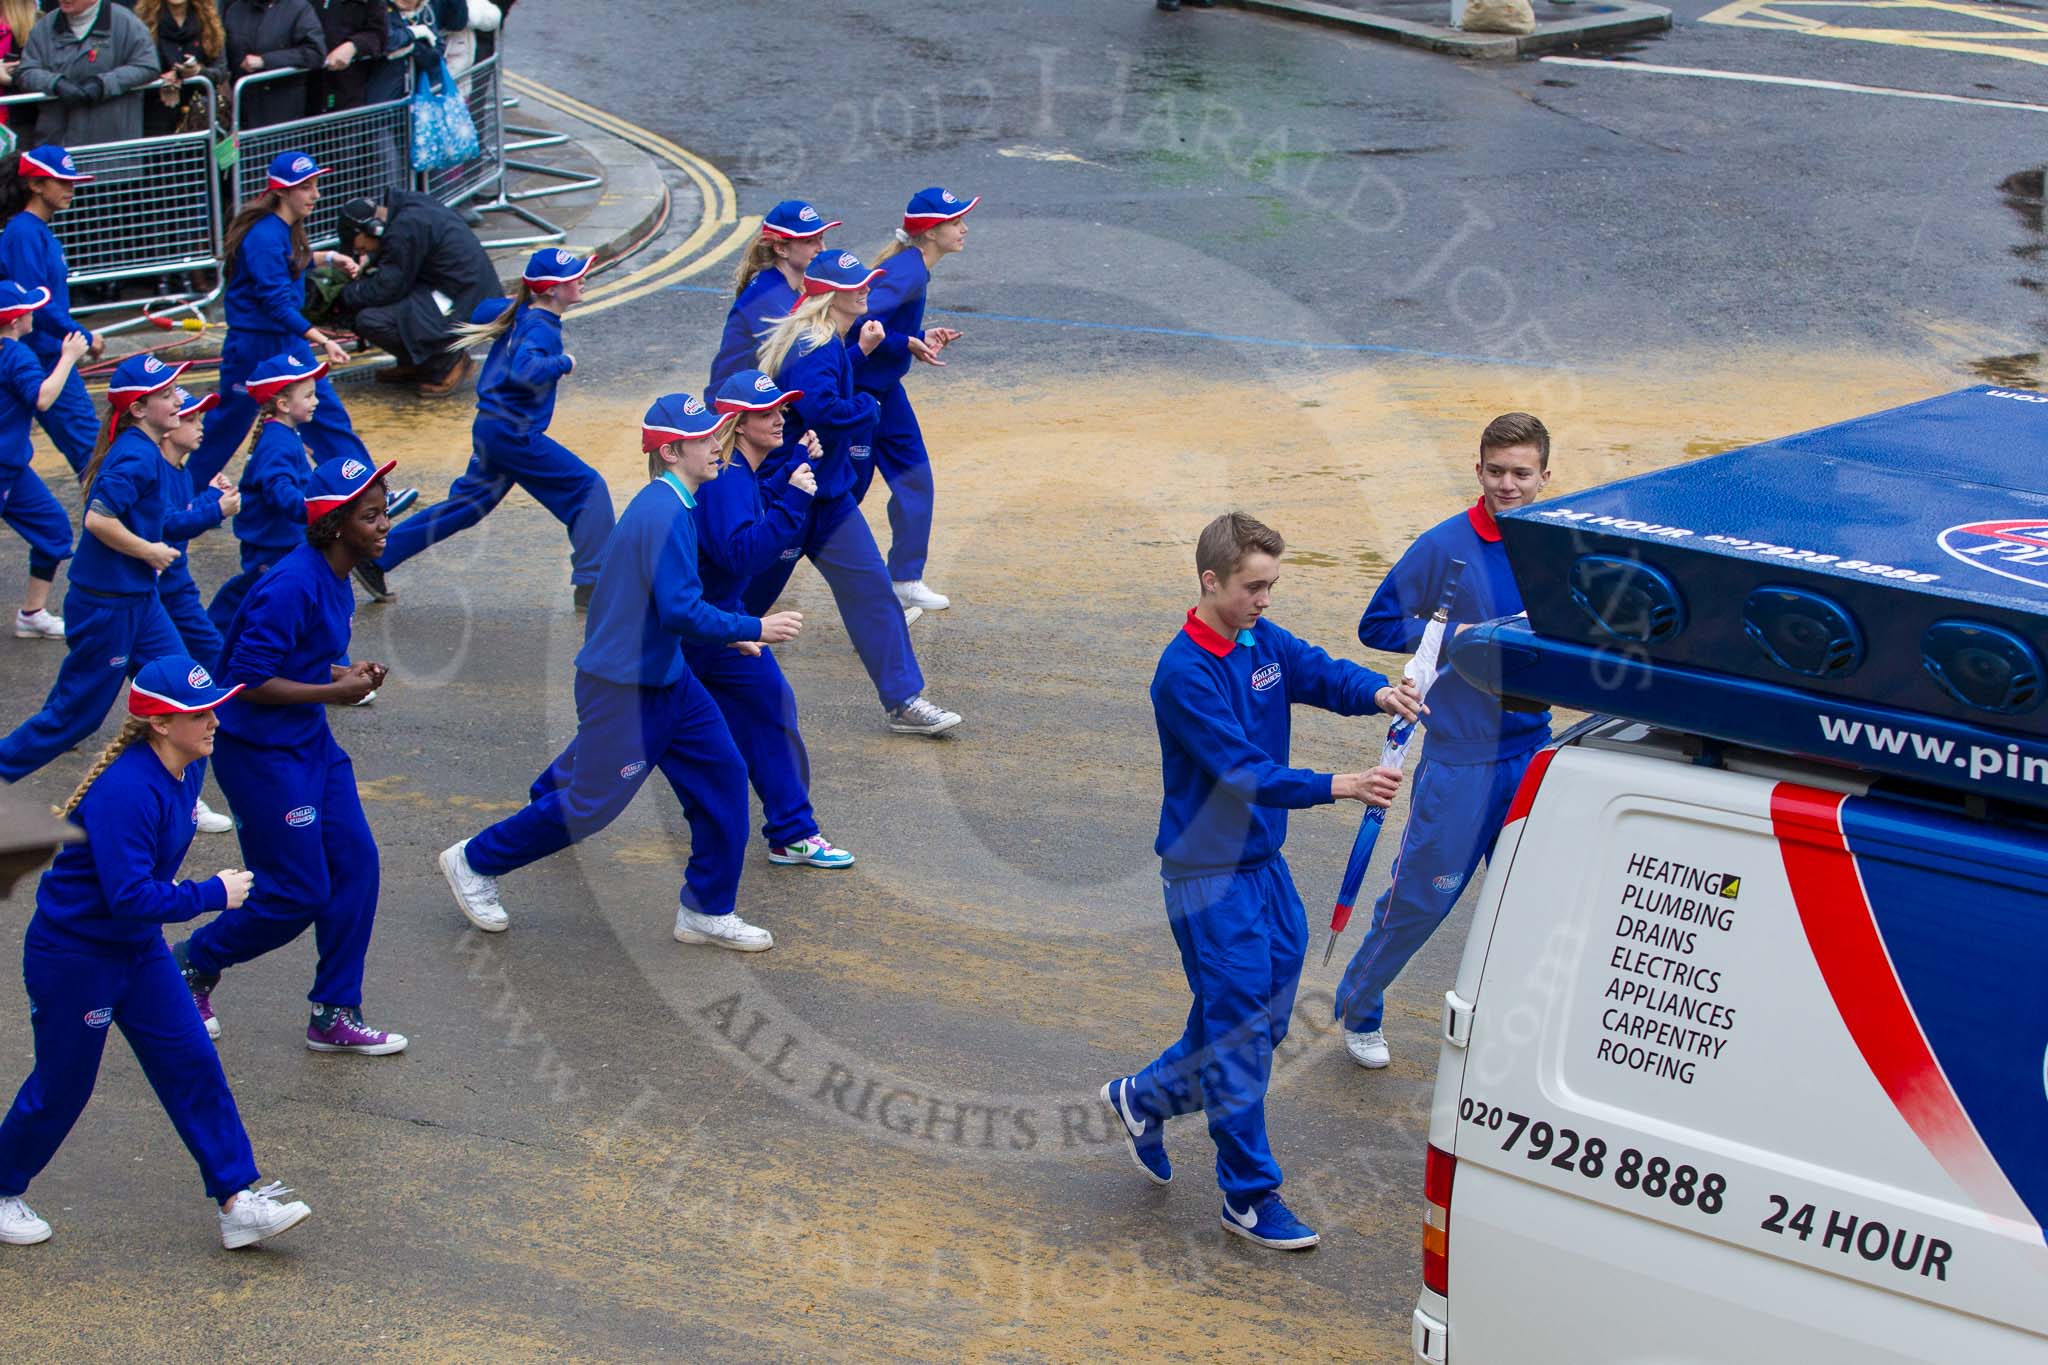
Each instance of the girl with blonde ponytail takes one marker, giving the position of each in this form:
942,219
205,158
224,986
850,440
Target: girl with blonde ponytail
808,355
94,958
114,620
515,402
768,284
934,227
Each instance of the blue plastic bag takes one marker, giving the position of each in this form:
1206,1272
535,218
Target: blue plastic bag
443,133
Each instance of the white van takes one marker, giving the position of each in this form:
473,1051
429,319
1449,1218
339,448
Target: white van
1662,1133
1747,1056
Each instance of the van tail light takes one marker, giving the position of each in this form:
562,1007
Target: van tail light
1532,778
1436,1220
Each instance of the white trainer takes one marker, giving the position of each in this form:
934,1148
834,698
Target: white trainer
38,625
920,717
211,821
1369,1050
257,1214
722,931
19,1225
474,892
916,594
911,615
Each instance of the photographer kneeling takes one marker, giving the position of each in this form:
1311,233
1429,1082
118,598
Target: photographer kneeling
423,272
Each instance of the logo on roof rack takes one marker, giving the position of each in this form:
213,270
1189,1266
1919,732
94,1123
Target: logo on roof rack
2017,550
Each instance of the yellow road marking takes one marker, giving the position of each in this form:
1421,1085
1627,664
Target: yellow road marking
2006,33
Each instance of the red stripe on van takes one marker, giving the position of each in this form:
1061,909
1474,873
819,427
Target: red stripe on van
1835,911
1525,793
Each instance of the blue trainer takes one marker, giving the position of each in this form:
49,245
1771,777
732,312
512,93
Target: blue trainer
1145,1137
1270,1223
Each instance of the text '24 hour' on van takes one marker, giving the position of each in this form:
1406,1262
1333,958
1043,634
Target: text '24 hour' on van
1747,1055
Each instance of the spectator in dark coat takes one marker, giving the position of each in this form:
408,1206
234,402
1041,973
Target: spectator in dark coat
355,47
271,35
92,74
190,41
423,272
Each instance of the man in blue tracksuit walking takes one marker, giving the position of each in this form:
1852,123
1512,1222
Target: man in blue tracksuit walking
1222,696
1475,753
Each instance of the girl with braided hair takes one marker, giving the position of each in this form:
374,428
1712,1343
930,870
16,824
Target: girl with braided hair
94,957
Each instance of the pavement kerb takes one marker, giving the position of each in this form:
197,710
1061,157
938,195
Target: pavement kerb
1627,19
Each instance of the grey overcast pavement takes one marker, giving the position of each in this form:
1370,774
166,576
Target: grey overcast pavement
1222,260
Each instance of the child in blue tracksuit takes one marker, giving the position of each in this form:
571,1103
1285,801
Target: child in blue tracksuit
515,401
293,789
113,620
32,257
94,958
27,390
934,227
1221,697
638,707
768,283
265,264
272,522
807,353
743,527
1475,753
189,514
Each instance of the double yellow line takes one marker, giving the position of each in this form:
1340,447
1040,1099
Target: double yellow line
703,247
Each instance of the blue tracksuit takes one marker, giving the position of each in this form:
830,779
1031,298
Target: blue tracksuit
94,956
272,522
837,539
1472,760
741,534
187,515
1222,709
515,401
292,787
113,621
766,299
25,500
31,256
896,300
264,311
637,707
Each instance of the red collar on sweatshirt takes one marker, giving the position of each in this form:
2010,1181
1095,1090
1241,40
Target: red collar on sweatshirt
1198,630
1483,522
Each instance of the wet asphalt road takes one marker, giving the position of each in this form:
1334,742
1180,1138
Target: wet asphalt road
877,1141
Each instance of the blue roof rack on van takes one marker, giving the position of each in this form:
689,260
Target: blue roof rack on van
1873,592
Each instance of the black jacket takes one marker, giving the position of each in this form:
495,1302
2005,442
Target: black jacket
284,33
362,22
426,247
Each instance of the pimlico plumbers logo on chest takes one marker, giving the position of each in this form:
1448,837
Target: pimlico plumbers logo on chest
1267,676
2017,550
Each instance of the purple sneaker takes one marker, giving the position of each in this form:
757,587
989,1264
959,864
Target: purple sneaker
341,1029
201,987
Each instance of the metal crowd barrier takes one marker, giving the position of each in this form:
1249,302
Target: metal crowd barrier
152,209
159,205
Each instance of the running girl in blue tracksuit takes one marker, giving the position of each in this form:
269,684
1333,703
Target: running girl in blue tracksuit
94,958
264,261
27,391
272,522
515,402
187,515
1475,753
30,255
743,528
113,620
807,352
768,283
1222,698
292,787
934,227
638,708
